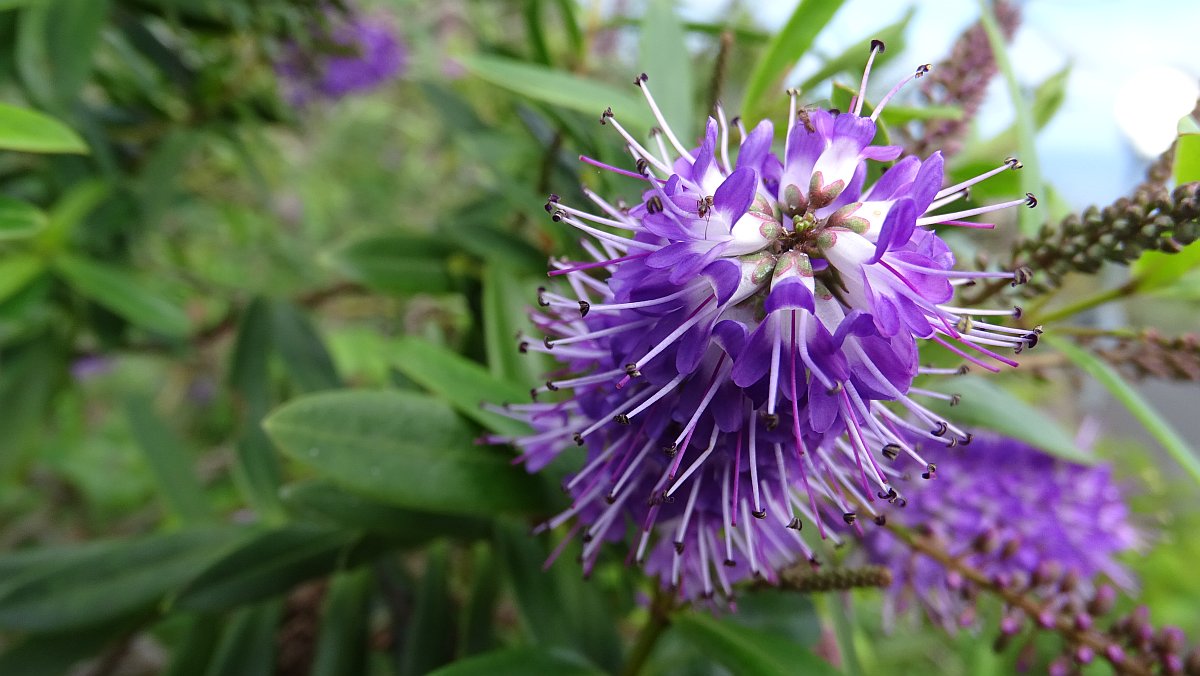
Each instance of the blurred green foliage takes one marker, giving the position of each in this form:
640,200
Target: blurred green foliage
242,345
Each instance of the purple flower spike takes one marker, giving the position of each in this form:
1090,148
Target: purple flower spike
346,54
730,343
1011,512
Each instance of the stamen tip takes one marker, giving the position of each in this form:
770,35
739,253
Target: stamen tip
1030,200
877,44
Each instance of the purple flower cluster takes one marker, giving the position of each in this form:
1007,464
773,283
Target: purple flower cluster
346,54
1009,511
732,342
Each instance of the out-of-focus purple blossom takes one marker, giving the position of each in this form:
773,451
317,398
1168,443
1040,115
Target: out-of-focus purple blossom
1012,512
90,366
732,339
345,54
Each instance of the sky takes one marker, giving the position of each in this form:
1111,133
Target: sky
1118,51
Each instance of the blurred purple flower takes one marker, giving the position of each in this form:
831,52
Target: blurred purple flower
729,361
90,366
1012,512
345,54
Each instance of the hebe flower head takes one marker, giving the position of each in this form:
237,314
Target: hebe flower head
1013,513
730,345
345,54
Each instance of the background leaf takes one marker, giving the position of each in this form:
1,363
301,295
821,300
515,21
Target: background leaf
520,661
1132,400
989,406
562,89
782,53
123,293
749,651
34,132
404,449
665,58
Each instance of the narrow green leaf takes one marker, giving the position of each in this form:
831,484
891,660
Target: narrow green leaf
170,463
55,43
477,628
429,639
901,114
33,132
257,468
125,294
462,382
191,656
1155,270
854,57
323,502
17,270
560,88
19,220
342,643
664,56
308,362
247,646
556,605
69,212
522,661
1187,152
989,406
404,449
1175,445
506,301
748,651
67,588
782,53
397,263
268,564
1031,175
57,653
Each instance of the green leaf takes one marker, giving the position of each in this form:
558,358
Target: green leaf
505,314
55,43
854,57
1132,400
170,463
1187,152
1155,270
33,132
247,646
257,469
73,587
121,292
65,216
342,643
782,53
462,382
477,629
324,502
521,661
556,605
429,639
1031,175
560,88
307,360
18,219
192,654
664,56
748,651
17,271
404,449
268,564
57,653
986,405
397,264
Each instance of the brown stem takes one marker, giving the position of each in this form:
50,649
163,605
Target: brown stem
718,74
1095,640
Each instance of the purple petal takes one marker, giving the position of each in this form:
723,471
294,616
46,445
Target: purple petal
735,194
756,146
